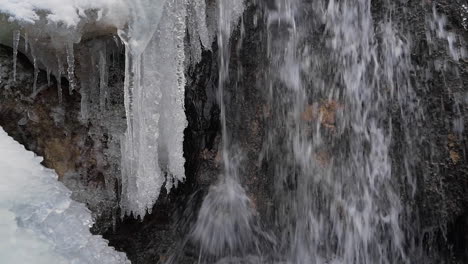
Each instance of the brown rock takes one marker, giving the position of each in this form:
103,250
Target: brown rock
308,114
454,156
328,113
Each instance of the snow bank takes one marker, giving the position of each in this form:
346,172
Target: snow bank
39,223
68,12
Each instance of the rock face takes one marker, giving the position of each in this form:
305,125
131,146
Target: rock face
441,168
86,155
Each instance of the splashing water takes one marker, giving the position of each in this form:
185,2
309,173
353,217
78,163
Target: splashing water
225,222
225,219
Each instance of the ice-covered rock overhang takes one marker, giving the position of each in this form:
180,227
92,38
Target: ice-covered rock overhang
39,222
158,51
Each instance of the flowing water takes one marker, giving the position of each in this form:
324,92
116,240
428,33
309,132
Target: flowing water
339,199
225,222
332,76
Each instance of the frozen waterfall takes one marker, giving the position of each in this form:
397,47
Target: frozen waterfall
153,33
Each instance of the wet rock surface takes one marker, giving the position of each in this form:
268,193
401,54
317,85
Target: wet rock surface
86,153
441,167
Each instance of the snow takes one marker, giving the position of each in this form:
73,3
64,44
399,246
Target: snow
39,222
69,12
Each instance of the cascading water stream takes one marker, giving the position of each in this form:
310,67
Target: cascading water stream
224,225
338,199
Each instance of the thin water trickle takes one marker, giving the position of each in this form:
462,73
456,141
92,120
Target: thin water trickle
225,223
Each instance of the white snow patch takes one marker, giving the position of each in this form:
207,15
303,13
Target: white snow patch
39,222
69,12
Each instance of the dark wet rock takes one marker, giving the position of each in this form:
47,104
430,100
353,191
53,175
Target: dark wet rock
439,150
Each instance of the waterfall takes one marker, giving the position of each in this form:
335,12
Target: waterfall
339,199
340,139
334,73
225,222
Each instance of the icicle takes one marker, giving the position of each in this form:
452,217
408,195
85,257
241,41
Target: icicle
71,67
200,10
16,39
197,29
85,74
59,79
172,86
141,174
26,42
102,80
88,85
36,69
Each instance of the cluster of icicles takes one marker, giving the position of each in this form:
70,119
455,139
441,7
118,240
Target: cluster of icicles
156,57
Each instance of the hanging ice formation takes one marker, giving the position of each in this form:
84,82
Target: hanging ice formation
154,102
152,148
153,33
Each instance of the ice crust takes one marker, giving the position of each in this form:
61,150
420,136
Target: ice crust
39,222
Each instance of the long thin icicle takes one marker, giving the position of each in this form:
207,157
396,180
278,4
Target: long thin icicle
16,39
59,79
26,44
36,69
71,67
